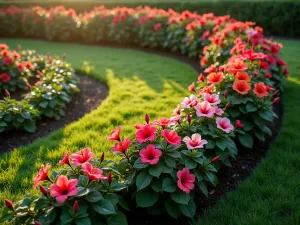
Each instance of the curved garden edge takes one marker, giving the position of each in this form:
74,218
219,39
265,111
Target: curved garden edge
92,93
229,178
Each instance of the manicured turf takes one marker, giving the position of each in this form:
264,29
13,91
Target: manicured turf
142,83
138,82
271,196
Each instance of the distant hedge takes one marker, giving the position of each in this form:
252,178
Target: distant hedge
277,18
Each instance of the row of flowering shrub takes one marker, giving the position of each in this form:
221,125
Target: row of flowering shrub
53,81
169,161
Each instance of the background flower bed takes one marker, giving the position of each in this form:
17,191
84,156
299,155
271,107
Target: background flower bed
265,13
212,69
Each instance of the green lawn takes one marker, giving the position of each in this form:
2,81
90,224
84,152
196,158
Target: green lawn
271,196
140,83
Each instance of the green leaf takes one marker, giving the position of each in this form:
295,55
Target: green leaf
221,143
190,163
143,180
122,166
170,161
113,198
104,207
250,107
156,170
173,154
43,104
188,210
266,115
83,221
180,197
118,219
203,188
212,178
156,185
93,196
123,203
83,181
82,191
169,185
30,126
246,140
146,198
26,115
172,208
139,165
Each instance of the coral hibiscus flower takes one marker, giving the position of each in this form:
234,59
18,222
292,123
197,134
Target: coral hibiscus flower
163,122
237,66
122,146
82,156
42,175
63,188
185,180
171,137
194,142
224,124
215,78
242,76
241,87
92,173
261,90
145,133
150,154
115,135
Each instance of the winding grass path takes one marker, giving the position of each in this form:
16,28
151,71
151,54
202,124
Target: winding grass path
140,83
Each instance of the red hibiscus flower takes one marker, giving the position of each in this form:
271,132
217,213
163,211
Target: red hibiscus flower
8,60
92,173
261,90
157,26
145,133
241,87
242,76
5,77
115,135
171,137
65,159
163,122
215,78
150,154
122,146
192,87
237,66
82,156
42,175
185,180
63,188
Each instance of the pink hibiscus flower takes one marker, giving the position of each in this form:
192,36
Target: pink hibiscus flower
42,175
224,124
188,102
205,109
185,180
212,99
63,188
150,154
194,142
115,135
163,122
82,156
171,137
92,173
145,133
219,111
122,146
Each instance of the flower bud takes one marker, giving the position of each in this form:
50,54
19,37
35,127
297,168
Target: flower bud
275,93
215,159
225,94
37,223
7,93
227,105
201,78
238,124
109,178
192,87
43,190
75,206
189,118
255,74
28,85
276,100
147,118
9,204
102,157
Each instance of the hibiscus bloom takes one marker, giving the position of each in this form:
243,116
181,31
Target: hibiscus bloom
261,90
82,156
63,188
171,137
157,26
21,66
8,61
150,154
224,124
5,77
115,135
238,124
215,78
205,109
185,180
242,76
194,142
122,146
42,175
163,122
92,173
175,119
241,87
212,99
192,87
177,110
65,159
188,102
219,111
237,66
145,133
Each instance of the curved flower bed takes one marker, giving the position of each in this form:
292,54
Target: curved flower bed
54,84
165,164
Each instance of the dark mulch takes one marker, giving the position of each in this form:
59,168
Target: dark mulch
92,92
